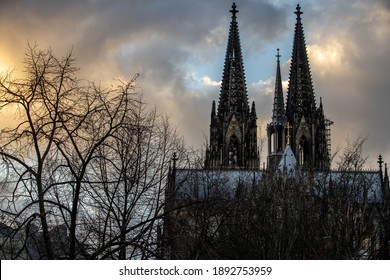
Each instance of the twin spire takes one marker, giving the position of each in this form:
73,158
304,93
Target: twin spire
233,127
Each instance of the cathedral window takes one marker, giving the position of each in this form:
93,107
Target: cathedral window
273,142
301,155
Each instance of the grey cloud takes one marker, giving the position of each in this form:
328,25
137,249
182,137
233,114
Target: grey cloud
161,39
262,22
358,96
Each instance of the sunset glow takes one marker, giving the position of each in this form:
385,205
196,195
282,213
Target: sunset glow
348,45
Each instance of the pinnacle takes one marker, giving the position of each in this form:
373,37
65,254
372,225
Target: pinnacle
298,12
234,11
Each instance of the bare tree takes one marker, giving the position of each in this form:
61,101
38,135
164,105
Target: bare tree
311,215
28,148
352,158
132,169
84,167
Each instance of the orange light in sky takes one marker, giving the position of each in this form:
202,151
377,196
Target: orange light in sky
7,60
2,68
327,54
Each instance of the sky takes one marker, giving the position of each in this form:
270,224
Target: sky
178,48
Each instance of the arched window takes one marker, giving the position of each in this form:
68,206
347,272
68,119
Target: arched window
273,142
303,150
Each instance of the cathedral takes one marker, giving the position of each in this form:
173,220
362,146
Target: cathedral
233,209
301,124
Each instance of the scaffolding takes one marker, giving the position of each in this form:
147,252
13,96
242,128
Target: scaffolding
328,123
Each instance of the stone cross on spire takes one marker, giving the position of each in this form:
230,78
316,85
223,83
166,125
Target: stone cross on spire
234,11
278,55
298,12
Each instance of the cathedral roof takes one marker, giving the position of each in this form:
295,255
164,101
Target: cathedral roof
288,162
193,184
202,183
363,186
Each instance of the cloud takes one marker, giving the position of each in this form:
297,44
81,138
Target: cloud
209,82
266,87
326,57
349,67
178,47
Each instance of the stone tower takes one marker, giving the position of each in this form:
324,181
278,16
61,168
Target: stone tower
276,130
233,127
310,131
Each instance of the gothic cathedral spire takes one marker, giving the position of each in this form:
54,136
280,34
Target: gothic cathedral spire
276,129
233,128
300,96
309,140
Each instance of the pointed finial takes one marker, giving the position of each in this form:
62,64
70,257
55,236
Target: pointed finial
174,159
380,161
278,55
385,181
213,109
253,109
298,12
234,11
